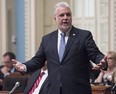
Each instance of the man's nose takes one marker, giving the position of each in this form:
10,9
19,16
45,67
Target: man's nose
65,16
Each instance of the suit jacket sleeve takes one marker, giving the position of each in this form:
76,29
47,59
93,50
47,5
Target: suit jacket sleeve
93,52
38,60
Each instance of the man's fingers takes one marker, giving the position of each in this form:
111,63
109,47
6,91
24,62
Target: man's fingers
100,64
14,61
96,68
15,65
18,65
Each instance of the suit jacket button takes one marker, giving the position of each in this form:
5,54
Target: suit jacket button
61,66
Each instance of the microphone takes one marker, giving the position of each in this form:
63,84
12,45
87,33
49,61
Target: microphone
17,84
105,81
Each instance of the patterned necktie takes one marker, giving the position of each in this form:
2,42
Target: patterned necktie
62,46
36,83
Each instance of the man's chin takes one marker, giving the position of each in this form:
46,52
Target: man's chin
65,28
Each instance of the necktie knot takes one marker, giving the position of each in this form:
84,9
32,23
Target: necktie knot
63,34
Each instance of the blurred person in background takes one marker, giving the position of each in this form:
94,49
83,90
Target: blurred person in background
36,85
105,76
7,66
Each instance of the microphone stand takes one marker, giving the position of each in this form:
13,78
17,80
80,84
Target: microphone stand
17,84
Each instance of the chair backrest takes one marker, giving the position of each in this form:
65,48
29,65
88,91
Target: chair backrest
11,79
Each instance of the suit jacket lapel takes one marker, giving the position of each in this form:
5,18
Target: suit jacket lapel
54,44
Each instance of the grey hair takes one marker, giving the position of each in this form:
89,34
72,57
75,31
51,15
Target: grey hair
61,4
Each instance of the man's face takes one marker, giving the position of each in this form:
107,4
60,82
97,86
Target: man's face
7,61
63,18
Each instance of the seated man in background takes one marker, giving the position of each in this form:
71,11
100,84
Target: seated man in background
38,82
7,66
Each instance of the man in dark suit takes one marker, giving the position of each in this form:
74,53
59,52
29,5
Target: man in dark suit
43,84
67,51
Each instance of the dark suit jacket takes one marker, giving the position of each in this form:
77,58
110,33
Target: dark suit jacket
72,73
31,82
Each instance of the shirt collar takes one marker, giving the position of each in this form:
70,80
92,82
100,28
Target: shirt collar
67,33
46,71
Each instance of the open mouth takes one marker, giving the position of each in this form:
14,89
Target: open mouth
65,23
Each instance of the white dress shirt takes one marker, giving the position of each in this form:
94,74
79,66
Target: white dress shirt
37,90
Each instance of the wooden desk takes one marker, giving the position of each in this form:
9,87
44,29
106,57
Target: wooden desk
7,92
98,89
